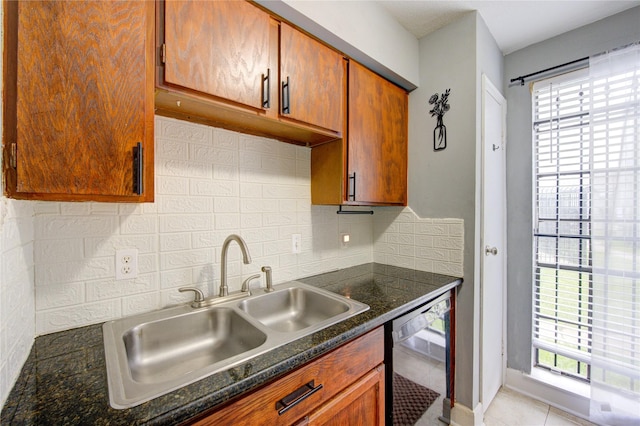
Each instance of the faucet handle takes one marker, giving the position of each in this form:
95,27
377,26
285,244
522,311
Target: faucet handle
246,285
199,297
267,272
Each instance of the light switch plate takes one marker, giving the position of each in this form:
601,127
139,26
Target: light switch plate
296,243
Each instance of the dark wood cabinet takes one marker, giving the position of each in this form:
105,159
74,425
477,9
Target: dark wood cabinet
378,139
222,63
220,48
313,81
81,90
78,100
361,404
369,167
341,387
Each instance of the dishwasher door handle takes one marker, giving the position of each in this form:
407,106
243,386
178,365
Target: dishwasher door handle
412,326
421,321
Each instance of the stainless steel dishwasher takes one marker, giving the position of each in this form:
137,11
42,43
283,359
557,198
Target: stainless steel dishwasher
428,331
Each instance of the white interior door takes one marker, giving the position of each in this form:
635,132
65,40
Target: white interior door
493,249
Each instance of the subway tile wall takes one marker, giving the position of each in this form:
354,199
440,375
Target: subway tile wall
401,238
209,183
17,325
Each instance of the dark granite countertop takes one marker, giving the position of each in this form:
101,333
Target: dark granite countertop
64,378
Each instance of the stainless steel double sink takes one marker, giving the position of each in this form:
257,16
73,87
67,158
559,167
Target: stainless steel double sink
151,354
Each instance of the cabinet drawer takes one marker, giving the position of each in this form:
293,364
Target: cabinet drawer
329,374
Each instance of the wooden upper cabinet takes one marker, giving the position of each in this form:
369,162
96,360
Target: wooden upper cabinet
78,100
369,167
219,64
219,48
313,81
377,139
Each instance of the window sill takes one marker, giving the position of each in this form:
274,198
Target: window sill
558,391
559,381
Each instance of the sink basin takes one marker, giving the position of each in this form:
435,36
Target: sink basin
151,354
294,308
165,349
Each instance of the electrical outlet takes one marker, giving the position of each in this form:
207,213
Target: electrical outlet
345,239
126,264
296,243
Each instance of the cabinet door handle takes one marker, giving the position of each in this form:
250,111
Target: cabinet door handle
352,187
285,97
138,164
296,397
266,89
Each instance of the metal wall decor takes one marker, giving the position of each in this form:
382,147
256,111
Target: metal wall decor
440,106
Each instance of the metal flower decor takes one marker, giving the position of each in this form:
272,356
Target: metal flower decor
440,106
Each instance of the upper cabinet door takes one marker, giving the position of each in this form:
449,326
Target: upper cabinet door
79,100
220,48
313,81
378,139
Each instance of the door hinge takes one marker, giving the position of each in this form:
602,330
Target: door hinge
13,156
163,53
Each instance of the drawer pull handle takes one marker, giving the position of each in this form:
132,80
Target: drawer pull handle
296,397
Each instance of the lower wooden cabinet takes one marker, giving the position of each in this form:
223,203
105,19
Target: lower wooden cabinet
345,386
361,404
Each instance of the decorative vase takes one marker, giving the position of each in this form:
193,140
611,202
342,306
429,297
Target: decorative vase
439,136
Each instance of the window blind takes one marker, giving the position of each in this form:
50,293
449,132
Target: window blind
562,220
587,225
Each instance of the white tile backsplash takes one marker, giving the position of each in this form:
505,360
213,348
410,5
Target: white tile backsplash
210,183
58,265
17,326
401,238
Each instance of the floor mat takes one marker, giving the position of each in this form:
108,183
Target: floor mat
410,401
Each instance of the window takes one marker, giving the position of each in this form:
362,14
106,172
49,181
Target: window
562,221
586,303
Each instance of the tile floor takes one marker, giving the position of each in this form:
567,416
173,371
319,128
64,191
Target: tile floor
509,408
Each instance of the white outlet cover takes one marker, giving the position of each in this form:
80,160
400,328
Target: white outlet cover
296,243
126,264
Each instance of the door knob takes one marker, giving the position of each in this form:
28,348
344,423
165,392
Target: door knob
490,250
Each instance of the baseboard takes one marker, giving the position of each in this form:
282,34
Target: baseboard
464,416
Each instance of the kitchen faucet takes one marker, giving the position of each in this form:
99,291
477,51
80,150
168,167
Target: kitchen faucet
246,258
